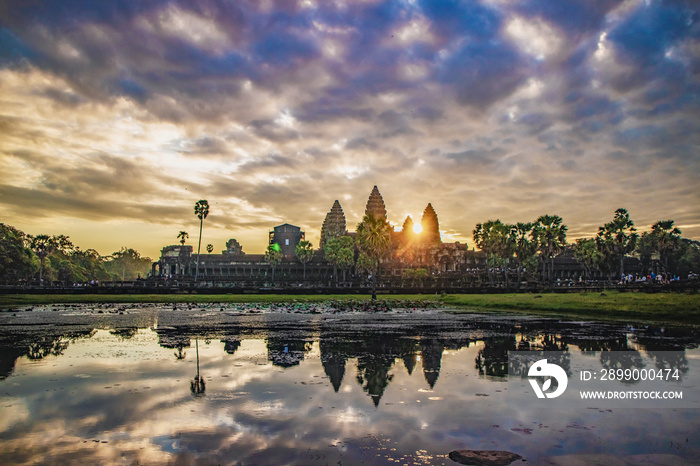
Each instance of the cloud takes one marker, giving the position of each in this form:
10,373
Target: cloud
273,110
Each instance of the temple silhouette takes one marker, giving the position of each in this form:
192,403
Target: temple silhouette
410,251
419,261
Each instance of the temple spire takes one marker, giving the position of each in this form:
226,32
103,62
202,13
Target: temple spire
375,205
334,225
430,228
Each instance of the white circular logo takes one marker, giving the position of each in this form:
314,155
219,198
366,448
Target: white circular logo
542,369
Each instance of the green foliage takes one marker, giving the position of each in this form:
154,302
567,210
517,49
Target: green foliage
415,274
689,260
374,237
665,239
90,266
182,236
616,239
365,263
273,255
201,209
495,238
498,241
374,243
17,261
549,234
587,254
127,264
524,245
304,251
340,252
56,258
346,258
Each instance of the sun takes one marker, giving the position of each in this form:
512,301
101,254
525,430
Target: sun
417,228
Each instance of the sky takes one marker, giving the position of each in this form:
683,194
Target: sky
117,116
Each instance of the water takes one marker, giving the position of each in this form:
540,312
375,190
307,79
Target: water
119,385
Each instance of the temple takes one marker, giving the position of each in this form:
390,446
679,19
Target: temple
413,251
286,237
375,205
334,224
430,227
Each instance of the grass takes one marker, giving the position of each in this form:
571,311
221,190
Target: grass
671,307
668,307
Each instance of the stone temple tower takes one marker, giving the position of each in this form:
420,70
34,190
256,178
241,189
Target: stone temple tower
334,225
375,205
430,233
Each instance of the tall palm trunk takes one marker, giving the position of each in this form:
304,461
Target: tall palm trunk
199,247
374,283
622,266
506,268
551,269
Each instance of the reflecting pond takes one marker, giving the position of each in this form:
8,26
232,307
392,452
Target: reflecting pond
230,384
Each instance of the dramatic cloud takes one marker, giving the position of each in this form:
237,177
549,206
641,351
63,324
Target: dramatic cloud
117,117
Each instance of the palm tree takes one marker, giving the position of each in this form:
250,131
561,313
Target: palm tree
503,246
586,253
666,239
346,254
210,248
180,354
273,256
525,248
495,239
201,210
304,252
617,238
374,241
183,235
340,251
549,234
197,385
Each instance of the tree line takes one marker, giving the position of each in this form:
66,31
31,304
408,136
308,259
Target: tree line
533,246
523,250
44,259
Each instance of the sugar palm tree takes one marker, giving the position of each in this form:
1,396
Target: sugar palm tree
374,242
197,385
304,252
182,236
549,233
667,240
617,238
524,247
273,256
201,210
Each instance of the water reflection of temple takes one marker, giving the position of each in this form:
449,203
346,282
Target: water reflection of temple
372,355
377,351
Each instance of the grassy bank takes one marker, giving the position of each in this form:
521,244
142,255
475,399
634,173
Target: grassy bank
672,307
